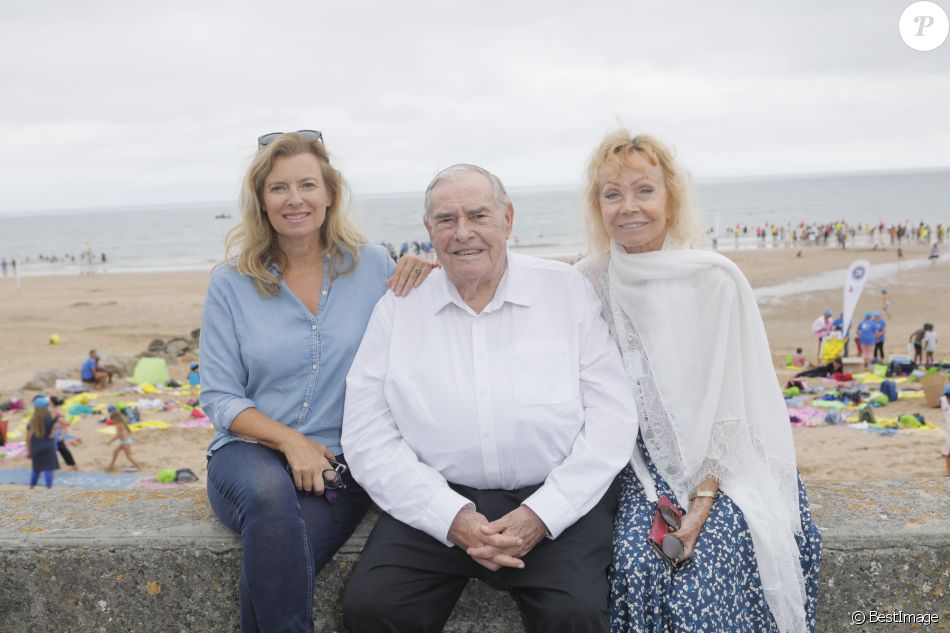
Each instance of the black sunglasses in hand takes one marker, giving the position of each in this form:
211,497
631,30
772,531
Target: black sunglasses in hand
333,480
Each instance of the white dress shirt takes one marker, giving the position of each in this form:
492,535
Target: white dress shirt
529,391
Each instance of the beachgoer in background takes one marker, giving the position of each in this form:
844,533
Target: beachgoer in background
885,303
823,371
916,339
798,359
945,406
867,333
838,326
929,343
934,253
93,374
715,439
61,430
40,445
880,332
822,328
194,378
282,322
124,435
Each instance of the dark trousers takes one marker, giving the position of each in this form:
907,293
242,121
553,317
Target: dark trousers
288,536
408,582
879,350
65,452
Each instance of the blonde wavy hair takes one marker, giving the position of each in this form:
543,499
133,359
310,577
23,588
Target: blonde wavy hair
252,244
615,150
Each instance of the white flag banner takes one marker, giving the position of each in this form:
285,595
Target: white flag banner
853,285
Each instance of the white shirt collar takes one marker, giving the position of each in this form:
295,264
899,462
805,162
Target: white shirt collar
512,288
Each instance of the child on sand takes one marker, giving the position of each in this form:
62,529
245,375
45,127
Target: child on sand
798,359
194,378
40,445
61,430
929,343
124,434
945,405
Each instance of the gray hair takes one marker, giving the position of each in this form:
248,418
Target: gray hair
500,197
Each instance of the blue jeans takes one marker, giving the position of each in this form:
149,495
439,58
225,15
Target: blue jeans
287,536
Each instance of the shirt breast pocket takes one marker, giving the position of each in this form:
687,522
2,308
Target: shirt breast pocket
543,372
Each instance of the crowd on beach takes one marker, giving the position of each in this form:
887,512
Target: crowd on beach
423,250
888,370
840,233
50,419
86,260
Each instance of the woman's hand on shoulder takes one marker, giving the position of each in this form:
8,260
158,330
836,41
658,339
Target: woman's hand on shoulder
410,272
307,460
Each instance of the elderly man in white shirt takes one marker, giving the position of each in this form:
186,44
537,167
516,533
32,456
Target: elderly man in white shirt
487,415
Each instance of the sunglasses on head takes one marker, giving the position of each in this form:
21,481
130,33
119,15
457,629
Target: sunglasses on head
270,137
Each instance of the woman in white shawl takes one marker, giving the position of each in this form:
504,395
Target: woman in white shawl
714,431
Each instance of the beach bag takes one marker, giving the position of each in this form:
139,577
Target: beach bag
889,389
185,475
867,416
909,421
832,348
834,417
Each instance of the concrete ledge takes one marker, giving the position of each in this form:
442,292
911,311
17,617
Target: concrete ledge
144,561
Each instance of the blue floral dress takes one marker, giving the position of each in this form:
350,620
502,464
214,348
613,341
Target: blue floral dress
717,590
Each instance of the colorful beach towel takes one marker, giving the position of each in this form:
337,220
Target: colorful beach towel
82,479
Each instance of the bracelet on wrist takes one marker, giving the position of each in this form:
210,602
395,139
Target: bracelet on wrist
708,494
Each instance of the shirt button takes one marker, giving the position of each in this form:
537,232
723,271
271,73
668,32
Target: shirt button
313,367
306,404
324,292
313,327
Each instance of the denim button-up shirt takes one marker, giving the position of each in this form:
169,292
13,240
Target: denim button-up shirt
274,355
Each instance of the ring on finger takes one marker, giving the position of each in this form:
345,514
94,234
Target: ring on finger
416,271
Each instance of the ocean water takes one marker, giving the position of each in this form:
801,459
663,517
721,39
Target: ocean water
548,221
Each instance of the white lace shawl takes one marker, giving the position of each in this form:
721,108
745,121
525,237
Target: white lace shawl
697,357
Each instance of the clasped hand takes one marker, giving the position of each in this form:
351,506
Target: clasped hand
501,543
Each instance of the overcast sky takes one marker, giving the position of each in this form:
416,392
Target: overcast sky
125,103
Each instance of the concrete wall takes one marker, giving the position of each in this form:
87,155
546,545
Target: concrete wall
144,561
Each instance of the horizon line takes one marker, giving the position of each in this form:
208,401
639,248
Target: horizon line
112,208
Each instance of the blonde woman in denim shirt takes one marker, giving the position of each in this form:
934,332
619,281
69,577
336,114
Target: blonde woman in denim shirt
282,321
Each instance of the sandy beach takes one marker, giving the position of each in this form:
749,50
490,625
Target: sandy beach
118,314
